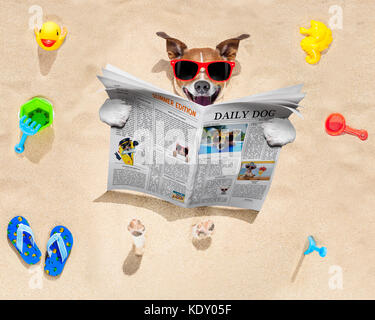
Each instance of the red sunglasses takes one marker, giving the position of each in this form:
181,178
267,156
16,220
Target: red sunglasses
186,70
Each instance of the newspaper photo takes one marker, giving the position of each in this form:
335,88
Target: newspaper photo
193,155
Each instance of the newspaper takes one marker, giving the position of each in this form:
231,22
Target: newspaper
193,155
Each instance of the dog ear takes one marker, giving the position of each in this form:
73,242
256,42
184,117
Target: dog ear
228,48
175,47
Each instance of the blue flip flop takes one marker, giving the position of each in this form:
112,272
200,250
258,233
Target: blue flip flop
59,247
22,237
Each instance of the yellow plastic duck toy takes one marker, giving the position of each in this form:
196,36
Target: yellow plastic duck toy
50,37
319,38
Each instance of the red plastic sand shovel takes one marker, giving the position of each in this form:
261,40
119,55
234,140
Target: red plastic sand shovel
335,126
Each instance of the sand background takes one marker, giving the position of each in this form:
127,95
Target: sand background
322,186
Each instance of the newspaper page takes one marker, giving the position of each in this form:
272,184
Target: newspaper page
235,163
193,155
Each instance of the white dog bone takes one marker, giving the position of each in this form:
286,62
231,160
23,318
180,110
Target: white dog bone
114,112
278,132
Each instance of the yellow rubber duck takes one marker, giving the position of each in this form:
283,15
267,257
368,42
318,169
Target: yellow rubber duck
50,37
319,37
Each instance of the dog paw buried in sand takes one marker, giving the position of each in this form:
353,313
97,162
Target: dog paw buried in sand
203,230
137,231
201,75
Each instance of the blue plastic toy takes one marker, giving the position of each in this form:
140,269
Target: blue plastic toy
27,130
22,237
312,247
59,247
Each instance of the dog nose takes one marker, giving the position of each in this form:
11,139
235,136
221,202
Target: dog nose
202,86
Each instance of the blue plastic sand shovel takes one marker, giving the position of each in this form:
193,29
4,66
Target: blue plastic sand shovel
312,247
27,130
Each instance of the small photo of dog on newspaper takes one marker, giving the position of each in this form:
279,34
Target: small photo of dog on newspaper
256,170
223,138
181,151
126,151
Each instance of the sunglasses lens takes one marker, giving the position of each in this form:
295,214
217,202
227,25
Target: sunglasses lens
219,71
185,70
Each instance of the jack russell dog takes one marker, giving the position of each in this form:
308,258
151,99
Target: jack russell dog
201,75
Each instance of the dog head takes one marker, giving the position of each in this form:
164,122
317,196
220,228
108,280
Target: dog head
250,166
201,89
224,189
126,145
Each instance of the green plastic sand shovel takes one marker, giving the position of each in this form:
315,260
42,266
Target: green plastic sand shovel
38,113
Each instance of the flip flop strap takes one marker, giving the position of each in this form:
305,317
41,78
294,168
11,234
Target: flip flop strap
60,244
21,229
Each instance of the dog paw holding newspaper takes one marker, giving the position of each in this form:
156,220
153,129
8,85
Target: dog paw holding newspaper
201,75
